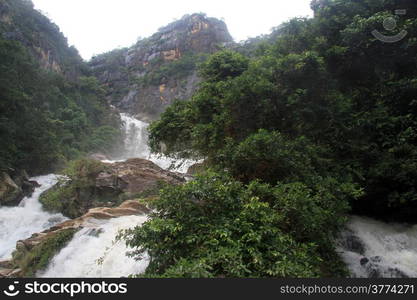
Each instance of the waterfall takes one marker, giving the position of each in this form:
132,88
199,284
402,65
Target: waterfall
379,250
136,137
93,252
136,146
18,223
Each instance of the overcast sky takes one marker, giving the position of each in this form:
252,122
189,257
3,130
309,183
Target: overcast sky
97,26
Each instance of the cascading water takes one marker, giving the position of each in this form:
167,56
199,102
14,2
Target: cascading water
93,252
17,223
370,248
375,249
136,146
136,141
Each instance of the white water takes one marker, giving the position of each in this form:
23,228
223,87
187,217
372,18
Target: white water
136,146
94,253
375,249
19,223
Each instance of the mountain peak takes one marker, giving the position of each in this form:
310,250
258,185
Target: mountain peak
146,78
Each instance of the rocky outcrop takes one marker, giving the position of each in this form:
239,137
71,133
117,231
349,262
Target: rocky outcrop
106,185
28,252
14,186
20,22
135,176
146,78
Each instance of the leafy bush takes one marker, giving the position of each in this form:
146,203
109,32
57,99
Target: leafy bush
218,227
271,157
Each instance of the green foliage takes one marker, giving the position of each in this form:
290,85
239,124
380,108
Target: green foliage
223,65
47,117
76,191
215,226
37,259
318,110
272,157
320,96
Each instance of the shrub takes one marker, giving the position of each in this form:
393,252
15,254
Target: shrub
216,226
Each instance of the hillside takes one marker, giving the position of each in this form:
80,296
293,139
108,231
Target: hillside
145,78
51,109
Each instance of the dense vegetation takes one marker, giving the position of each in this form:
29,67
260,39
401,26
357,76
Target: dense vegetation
216,226
76,191
320,117
51,109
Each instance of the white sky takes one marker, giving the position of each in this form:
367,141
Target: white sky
97,26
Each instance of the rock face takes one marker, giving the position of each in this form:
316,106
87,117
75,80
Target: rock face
20,22
26,253
147,77
135,176
14,187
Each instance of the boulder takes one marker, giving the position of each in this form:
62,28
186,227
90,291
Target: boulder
107,186
14,186
136,176
10,193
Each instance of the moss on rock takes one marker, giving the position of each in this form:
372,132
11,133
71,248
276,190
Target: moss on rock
31,260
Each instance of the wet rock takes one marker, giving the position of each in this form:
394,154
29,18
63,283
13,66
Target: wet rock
376,259
14,186
374,272
396,273
364,261
106,185
352,243
10,193
95,232
135,176
4,264
4,273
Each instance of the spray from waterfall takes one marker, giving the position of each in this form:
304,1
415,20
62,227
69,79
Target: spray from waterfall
94,252
373,249
18,223
136,146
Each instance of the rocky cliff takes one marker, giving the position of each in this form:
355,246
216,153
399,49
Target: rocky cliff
51,110
147,77
20,22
